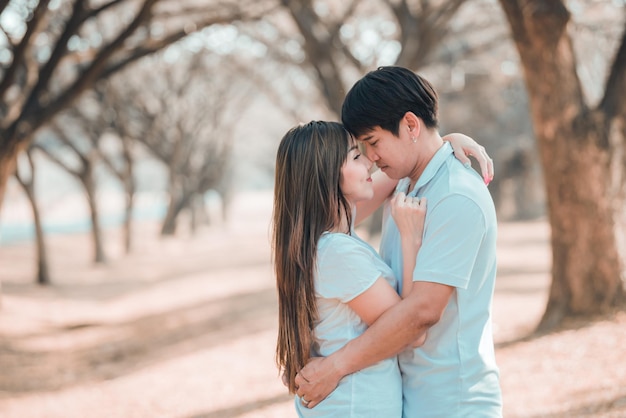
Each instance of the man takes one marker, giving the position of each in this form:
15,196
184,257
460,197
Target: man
393,112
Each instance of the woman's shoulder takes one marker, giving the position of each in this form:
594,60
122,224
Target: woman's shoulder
338,244
332,239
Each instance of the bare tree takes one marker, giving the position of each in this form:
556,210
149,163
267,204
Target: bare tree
582,148
124,171
90,126
187,116
27,177
99,114
82,166
56,55
330,36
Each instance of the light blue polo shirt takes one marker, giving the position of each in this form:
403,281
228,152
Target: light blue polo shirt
454,374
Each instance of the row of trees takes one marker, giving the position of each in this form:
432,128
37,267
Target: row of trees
320,48
75,73
178,114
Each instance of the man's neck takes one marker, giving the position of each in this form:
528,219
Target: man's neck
429,145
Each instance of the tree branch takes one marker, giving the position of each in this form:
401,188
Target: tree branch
319,52
94,12
19,51
421,32
45,74
64,138
237,11
93,71
26,184
52,157
515,16
447,11
335,34
142,51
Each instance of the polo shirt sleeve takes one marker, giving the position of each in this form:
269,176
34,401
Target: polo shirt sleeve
454,231
344,269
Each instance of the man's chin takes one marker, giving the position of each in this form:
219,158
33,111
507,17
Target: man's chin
390,173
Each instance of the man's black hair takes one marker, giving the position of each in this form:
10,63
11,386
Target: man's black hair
382,98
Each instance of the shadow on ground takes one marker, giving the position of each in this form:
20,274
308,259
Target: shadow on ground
132,345
244,408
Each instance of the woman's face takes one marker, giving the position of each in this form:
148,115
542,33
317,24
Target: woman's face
356,182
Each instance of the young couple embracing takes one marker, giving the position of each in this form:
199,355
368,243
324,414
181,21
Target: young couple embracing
403,333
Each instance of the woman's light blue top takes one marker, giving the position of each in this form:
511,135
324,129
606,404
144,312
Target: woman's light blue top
346,267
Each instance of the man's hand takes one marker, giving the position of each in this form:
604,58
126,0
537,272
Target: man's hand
316,381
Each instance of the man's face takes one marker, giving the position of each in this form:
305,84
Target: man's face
394,155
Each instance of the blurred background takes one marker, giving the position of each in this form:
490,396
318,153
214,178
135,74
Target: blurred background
137,146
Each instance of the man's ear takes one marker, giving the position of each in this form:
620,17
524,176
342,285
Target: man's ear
413,124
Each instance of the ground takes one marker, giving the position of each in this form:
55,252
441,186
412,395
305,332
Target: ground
185,328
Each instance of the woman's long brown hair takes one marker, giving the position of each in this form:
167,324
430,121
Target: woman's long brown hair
307,202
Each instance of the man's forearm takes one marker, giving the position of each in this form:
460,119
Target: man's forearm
393,331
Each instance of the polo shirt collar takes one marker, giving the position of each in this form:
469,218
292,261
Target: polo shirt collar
433,166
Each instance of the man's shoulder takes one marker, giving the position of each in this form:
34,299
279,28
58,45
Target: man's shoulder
459,186
465,181
463,176
454,178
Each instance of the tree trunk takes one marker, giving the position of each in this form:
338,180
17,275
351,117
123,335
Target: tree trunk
194,209
175,208
574,144
8,161
129,186
96,229
587,266
170,220
9,151
128,221
43,275
179,200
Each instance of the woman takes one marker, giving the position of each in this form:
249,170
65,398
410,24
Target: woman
331,284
